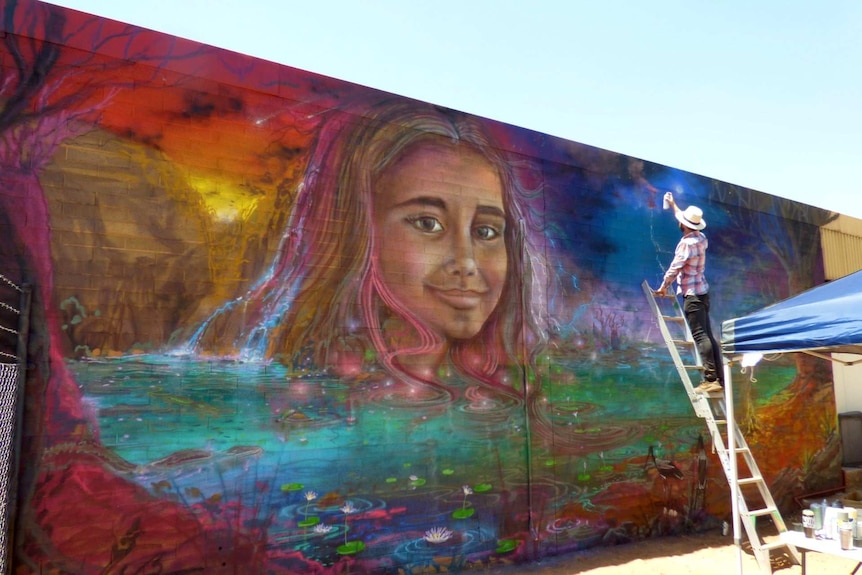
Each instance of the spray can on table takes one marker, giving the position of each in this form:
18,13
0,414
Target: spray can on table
817,508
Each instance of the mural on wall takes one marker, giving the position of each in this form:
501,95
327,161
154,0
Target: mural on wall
286,324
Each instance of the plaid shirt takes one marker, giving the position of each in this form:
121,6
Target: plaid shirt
688,265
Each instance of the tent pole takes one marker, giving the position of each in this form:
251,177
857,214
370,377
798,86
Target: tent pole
731,451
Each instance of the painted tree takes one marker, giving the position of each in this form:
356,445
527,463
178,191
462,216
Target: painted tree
790,232
47,95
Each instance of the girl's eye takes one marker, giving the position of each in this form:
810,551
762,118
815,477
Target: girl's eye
487,233
426,224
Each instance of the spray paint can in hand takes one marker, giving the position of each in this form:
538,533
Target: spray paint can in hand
666,201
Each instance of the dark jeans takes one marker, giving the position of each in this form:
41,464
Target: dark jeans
696,309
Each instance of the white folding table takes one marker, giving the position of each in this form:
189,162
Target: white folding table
830,546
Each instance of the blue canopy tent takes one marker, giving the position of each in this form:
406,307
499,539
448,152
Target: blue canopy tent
824,319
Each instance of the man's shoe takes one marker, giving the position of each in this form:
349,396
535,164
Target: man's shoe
709,387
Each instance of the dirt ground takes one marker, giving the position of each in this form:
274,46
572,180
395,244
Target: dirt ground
703,554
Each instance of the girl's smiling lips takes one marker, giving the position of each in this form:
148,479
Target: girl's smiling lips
458,298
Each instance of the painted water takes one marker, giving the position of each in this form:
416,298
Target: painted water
321,474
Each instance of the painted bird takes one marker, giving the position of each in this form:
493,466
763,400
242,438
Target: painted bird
665,467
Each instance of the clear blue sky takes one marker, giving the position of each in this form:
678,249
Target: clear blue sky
766,94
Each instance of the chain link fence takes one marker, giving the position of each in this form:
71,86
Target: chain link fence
13,333
8,409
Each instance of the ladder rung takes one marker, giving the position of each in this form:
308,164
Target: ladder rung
773,545
749,480
674,318
761,512
682,342
720,421
736,449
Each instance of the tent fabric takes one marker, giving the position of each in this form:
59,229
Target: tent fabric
826,318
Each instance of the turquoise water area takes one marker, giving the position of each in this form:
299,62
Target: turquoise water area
292,451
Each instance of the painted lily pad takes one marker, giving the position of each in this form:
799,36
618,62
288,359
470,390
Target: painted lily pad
350,548
583,477
391,479
448,471
292,486
310,521
507,545
463,513
418,482
482,488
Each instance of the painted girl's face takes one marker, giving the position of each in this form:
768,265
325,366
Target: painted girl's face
439,220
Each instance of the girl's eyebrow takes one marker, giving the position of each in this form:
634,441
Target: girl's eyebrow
434,202
490,211
429,201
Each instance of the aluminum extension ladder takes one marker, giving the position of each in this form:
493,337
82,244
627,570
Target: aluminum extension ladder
755,500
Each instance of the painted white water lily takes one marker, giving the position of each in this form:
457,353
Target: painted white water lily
348,508
438,535
309,497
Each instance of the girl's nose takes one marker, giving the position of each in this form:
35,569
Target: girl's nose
462,261
461,266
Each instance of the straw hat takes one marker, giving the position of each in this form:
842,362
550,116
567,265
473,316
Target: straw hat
691,217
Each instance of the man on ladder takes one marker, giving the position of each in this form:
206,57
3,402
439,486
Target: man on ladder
688,267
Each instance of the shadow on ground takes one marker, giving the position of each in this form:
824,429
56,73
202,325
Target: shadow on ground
708,553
